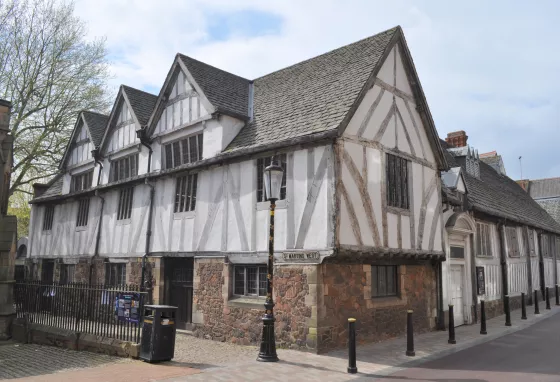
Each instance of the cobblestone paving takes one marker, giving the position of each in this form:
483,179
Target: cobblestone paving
202,354
27,360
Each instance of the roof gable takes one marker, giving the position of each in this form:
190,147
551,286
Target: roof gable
139,105
312,96
89,125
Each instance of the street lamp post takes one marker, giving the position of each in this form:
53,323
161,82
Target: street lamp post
273,175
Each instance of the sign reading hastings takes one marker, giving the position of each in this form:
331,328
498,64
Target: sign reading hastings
301,256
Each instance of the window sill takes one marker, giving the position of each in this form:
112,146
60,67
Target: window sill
280,204
246,302
386,302
398,211
184,215
81,228
124,221
47,232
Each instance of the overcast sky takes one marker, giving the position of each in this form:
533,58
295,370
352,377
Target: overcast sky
490,68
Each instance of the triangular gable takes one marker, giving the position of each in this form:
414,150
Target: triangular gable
122,125
80,134
385,75
193,90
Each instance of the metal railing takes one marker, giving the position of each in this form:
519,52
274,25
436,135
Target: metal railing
81,307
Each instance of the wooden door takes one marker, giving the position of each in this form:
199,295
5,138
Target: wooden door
456,293
179,289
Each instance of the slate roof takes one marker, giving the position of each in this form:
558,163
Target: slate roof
227,92
55,187
311,96
500,196
97,124
552,206
544,188
142,103
493,161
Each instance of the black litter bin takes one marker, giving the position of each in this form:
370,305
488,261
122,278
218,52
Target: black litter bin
158,333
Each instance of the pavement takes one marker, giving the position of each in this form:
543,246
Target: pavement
204,360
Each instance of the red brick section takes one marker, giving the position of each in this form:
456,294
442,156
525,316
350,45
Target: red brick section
224,320
130,371
457,138
347,293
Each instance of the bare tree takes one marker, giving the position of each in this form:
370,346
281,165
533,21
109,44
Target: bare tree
49,71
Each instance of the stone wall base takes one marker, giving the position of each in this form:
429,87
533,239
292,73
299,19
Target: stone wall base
46,335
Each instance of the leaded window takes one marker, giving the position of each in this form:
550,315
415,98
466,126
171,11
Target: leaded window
185,193
124,168
81,181
67,272
83,212
384,280
125,203
397,182
483,241
263,163
48,218
185,151
249,280
115,274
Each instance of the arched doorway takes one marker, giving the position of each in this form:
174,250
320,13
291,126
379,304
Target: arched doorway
459,229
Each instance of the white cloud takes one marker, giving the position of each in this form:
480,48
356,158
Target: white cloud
489,68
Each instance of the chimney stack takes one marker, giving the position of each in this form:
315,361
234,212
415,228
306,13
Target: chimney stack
457,139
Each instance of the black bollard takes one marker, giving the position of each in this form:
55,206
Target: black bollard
409,335
556,292
506,308
482,318
547,296
352,369
537,302
523,307
451,326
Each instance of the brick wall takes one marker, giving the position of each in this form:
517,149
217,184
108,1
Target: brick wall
216,316
347,293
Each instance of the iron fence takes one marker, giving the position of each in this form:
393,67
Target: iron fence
81,307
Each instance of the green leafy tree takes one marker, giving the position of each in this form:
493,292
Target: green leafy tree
49,71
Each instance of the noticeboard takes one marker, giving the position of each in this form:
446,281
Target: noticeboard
480,281
127,306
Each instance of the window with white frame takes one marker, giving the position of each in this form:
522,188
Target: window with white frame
384,281
263,163
185,151
185,193
124,168
115,274
125,203
483,240
48,218
249,280
81,181
83,212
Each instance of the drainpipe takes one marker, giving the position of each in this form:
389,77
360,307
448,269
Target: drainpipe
440,314
142,135
541,263
97,159
473,276
503,260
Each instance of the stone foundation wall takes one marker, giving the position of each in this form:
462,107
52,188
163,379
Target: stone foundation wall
218,316
347,294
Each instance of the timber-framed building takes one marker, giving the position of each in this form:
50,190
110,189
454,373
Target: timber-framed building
175,181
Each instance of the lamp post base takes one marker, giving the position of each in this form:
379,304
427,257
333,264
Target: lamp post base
268,343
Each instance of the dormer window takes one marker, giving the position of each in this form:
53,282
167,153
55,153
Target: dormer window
188,150
81,182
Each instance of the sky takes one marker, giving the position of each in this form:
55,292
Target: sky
490,68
